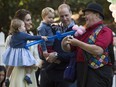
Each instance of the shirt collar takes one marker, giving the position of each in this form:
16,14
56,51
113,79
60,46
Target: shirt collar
45,23
95,25
71,24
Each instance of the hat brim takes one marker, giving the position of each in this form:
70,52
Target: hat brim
93,10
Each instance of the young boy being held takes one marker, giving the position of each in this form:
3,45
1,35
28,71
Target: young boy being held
45,28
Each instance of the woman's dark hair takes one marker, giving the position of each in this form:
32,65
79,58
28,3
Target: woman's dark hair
21,13
2,68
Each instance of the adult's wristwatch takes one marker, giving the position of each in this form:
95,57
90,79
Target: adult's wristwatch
56,55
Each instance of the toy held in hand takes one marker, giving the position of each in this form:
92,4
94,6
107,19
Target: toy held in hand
79,30
76,30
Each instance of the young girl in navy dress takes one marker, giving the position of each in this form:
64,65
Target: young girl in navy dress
16,54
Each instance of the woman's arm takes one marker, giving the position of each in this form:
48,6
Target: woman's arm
7,41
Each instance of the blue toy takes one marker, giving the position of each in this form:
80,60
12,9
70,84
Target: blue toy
58,36
76,30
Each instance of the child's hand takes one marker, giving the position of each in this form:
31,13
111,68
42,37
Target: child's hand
44,37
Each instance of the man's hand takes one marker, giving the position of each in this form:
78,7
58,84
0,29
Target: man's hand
73,41
52,57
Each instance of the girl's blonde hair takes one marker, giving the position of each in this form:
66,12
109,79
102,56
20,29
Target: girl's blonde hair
46,11
15,24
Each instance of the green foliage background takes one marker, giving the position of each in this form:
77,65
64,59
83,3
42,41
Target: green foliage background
9,7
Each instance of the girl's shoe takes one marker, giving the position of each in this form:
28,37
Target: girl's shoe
7,82
28,80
